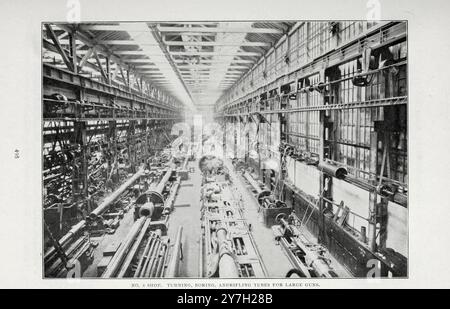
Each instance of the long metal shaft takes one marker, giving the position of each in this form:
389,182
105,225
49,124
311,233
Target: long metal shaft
227,265
253,183
151,263
160,187
117,259
132,252
147,257
105,204
111,198
144,254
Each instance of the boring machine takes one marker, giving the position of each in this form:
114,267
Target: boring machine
309,259
146,251
227,248
75,246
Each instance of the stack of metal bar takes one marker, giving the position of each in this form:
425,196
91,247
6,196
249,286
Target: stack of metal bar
145,254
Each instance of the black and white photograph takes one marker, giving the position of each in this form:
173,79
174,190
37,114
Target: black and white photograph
247,149
224,145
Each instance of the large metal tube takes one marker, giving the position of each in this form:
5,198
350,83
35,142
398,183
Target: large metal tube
153,197
172,269
169,203
134,249
260,193
117,259
151,253
146,257
146,210
151,263
106,202
150,241
111,198
253,183
160,187
227,265
333,170
161,261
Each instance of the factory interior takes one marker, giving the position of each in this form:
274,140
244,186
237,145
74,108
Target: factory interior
222,149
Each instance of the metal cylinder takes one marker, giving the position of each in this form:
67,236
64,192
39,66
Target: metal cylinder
130,255
154,197
227,265
172,269
169,203
164,180
363,234
385,190
140,271
333,170
117,259
150,241
253,183
146,210
161,262
150,255
101,208
153,258
111,198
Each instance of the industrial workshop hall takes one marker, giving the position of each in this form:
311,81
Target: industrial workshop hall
222,149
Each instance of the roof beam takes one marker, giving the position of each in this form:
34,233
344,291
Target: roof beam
187,43
200,66
58,46
203,61
146,61
209,78
218,30
199,53
153,73
194,43
147,67
130,52
102,48
86,58
118,42
100,66
49,46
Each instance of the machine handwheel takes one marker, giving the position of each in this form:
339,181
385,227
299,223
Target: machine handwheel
279,217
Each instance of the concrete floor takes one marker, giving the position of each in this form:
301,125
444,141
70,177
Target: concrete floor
187,214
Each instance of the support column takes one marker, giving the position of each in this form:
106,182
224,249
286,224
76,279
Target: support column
108,70
373,194
112,140
131,142
144,141
73,51
79,143
326,182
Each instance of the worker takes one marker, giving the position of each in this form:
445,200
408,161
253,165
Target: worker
292,218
